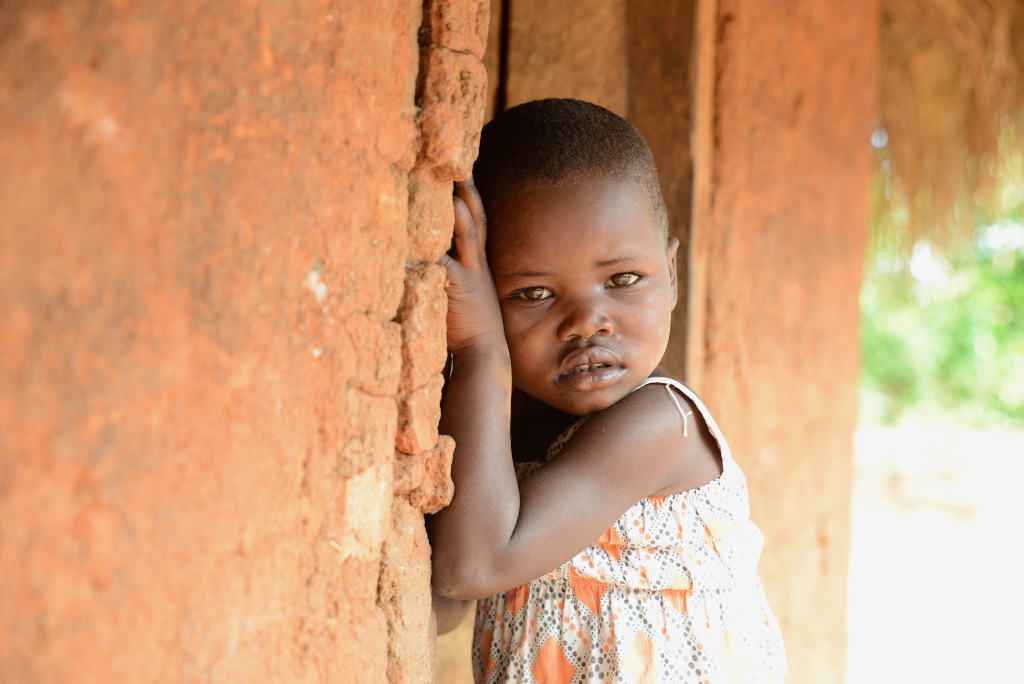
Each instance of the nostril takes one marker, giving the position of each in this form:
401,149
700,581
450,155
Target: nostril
584,323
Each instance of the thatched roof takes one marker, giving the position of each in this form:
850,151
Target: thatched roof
951,75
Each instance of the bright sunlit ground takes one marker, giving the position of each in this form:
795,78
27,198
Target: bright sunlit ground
936,584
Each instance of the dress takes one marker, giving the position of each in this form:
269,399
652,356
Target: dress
669,593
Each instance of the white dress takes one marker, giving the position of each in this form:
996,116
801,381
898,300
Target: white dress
669,593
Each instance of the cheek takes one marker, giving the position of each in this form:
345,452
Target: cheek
650,317
513,321
524,335
647,328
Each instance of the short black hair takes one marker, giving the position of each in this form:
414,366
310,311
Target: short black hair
547,143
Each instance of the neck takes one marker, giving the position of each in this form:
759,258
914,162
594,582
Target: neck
534,426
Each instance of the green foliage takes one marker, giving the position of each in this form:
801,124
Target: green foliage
944,329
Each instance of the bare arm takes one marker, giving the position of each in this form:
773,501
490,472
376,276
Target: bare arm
621,455
476,410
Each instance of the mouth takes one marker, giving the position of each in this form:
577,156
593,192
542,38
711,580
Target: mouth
585,368
589,369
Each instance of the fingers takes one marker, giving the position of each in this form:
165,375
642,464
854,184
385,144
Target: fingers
467,241
447,262
471,196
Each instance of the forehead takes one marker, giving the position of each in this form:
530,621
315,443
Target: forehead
582,222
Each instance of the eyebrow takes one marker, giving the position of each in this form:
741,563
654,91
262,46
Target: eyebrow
528,274
599,264
619,260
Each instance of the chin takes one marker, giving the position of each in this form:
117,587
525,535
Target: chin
583,393
585,403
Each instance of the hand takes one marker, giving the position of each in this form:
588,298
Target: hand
474,316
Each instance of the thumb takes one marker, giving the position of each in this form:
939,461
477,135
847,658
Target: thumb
446,261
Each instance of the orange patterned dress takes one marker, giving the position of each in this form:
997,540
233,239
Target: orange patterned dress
669,593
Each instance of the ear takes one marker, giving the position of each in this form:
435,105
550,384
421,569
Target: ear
673,273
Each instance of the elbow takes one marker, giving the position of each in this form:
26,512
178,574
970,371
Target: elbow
458,587
453,591
462,568
461,582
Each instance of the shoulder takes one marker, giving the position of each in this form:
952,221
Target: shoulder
650,406
656,410
656,427
661,402
702,458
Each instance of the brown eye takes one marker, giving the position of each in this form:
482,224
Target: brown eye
535,294
623,279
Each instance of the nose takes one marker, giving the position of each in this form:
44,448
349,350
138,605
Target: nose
584,319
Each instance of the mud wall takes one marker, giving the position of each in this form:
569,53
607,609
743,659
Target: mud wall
779,245
567,49
222,333
660,57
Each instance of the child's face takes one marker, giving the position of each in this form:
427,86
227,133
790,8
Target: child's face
585,278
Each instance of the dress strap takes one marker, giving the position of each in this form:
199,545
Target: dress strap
685,414
671,384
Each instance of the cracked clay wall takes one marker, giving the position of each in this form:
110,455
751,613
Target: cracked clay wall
222,333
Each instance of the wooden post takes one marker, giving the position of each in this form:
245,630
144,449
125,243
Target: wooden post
781,178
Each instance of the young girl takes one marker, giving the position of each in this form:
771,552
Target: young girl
598,516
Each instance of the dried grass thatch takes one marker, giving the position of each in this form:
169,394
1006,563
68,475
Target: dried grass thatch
951,78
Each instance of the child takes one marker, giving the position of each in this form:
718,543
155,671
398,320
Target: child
598,516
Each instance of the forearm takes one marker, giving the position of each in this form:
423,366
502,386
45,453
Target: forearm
469,536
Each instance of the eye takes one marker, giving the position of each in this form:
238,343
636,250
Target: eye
534,294
623,279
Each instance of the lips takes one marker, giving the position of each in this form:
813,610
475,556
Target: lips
590,368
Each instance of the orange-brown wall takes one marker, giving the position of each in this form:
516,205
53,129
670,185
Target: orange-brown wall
220,318
780,249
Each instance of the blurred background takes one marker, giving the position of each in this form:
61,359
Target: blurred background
939,456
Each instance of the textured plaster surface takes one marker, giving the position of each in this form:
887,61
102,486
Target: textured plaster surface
212,215
793,111
660,45
568,49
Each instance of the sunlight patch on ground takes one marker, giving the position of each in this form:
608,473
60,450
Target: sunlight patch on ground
936,592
